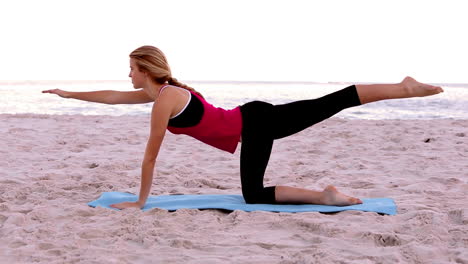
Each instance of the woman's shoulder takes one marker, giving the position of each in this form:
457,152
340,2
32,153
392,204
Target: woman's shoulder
174,97
173,90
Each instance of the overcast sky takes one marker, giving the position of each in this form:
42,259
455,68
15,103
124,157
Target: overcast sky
369,41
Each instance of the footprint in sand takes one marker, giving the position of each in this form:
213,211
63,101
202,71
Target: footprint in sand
92,234
387,240
17,244
85,213
182,243
45,246
457,217
384,240
55,252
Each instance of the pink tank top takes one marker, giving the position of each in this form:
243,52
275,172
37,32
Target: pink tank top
218,127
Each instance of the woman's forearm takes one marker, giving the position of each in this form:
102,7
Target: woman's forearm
147,170
95,96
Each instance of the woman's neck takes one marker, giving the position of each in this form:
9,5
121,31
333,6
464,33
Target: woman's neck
152,89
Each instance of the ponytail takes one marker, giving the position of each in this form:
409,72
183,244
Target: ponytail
175,82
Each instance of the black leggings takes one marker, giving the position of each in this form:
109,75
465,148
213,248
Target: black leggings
264,122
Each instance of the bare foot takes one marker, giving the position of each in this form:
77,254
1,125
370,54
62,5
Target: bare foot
331,196
417,89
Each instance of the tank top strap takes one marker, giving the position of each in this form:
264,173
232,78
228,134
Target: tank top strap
163,87
167,85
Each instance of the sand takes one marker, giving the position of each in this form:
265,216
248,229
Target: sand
52,166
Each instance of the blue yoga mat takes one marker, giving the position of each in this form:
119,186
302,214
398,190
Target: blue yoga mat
236,202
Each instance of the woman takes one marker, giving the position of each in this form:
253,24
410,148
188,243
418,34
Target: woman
181,110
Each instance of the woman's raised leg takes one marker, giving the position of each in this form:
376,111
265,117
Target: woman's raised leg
290,118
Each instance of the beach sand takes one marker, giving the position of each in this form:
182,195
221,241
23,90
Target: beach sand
52,166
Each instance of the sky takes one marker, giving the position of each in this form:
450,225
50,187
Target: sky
243,40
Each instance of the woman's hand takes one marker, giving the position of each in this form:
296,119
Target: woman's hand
58,92
127,205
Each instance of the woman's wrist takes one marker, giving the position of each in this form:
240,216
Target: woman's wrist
141,203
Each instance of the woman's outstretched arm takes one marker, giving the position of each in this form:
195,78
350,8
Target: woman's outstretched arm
160,115
105,96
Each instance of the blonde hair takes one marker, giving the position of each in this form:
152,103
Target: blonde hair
152,60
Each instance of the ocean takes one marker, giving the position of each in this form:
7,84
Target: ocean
26,97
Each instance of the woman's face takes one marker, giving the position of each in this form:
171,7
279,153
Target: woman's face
138,77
